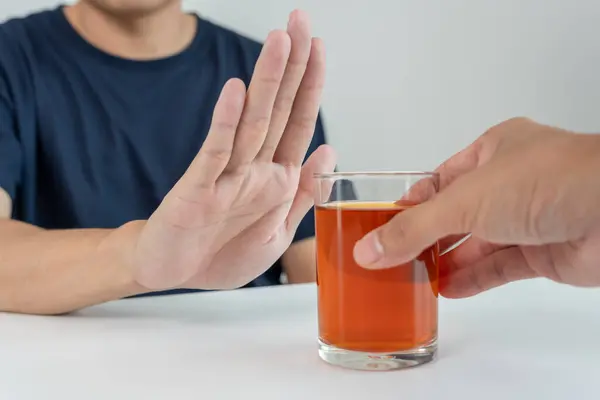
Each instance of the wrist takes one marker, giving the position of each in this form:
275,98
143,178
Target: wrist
120,245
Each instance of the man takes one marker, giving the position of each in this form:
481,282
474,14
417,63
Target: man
529,195
103,108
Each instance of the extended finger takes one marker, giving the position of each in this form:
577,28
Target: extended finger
300,127
262,91
496,269
299,32
321,160
216,150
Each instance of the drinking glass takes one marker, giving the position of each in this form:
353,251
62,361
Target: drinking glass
373,319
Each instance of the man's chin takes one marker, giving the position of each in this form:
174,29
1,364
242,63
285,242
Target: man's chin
130,8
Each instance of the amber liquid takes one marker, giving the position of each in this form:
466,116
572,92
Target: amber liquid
386,310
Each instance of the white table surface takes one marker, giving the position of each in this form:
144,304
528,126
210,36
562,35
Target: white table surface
530,340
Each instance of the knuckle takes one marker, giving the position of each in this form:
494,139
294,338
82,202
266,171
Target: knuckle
488,135
258,123
424,190
218,154
510,124
466,215
533,228
464,219
294,71
269,80
507,128
499,272
391,234
298,61
478,279
224,126
554,272
533,213
303,122
485,145
312,87
518,121
398,229
474,154
284,103
230,107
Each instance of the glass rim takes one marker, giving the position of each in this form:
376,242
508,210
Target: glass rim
367,174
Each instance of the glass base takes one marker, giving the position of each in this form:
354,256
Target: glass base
377,361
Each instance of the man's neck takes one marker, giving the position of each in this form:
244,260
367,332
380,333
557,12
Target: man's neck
154,35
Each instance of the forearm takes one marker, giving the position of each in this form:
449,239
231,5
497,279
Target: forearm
55,272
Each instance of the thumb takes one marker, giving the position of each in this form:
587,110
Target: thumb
413,230
321,160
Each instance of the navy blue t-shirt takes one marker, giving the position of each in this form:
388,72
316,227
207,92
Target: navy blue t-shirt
90,140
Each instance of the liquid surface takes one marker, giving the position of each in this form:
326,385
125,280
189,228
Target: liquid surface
373,311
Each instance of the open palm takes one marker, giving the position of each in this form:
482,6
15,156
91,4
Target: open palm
237,207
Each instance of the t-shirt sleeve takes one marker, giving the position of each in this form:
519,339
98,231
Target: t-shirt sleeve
10,148
306,229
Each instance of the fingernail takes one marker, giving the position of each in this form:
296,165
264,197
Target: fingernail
368,251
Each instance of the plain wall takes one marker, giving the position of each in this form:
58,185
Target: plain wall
412,81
